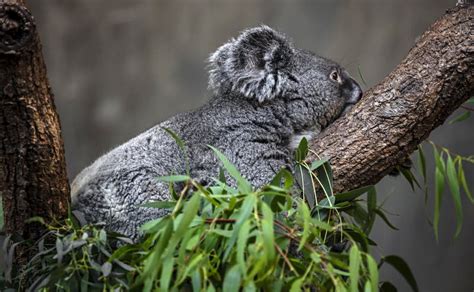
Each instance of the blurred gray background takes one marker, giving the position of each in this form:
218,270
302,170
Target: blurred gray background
119,67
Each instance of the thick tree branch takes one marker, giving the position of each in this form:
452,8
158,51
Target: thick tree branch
399,113
33,179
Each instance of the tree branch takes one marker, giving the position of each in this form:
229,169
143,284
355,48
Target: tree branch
33,179
395,116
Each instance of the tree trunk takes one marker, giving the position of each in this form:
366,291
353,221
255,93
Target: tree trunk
395,116
33,179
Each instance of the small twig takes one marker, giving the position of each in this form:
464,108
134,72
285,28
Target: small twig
219,220
285,258
468,108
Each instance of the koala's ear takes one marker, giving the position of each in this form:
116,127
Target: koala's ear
255,64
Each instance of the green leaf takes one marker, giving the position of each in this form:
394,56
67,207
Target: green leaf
385,219
296,285
422,162
306,184
410,177
181,146
166,272
470,101
371,207
302,151
242,245
232,279
160,204
460,118
318,163
352,195
175,137
304,212
354,267
439,189
388,287
196,281
373,272
189,212
402,267
462,181
267,231
245,211
324,174
455,192
173,178
242,184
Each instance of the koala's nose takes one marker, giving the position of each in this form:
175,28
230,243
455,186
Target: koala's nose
355,94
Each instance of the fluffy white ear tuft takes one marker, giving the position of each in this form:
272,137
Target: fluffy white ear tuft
256,64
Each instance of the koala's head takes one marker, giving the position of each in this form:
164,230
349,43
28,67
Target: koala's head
262,64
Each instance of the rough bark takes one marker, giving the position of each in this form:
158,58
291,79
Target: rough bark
33,179
395,116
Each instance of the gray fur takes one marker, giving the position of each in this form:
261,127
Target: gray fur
267,95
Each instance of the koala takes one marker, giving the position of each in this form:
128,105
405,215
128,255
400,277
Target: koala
267,95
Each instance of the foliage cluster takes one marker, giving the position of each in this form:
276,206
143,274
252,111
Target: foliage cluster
225,238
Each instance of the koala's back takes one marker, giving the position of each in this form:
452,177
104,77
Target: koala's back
112,189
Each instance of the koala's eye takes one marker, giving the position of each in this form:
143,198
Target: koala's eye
334,76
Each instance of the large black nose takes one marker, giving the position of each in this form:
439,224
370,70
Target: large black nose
355,92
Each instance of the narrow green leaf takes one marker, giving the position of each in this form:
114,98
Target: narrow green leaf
460,118
463,182
385,219
305,214
318,163
354,267
267,231
189,212
455,192
368,286
371,207
245,211
439,188
388,287
160,204
402,267
324,174
352,195
175,137
152,263
296,285
190,267
422,162
196,281
306,184
181,146
242,245
410,177
302,150
373,272
232,280
242,184
173,178
166,272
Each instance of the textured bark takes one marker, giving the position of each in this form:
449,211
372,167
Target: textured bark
33,179
399,113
